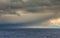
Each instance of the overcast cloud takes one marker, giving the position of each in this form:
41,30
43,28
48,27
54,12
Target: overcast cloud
32,12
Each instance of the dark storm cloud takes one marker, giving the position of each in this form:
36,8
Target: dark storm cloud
41,5
7,6
30,5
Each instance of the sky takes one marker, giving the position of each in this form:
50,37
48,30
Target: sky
33,16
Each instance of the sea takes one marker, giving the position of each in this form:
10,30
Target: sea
30,33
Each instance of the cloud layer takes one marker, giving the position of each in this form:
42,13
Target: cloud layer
33,13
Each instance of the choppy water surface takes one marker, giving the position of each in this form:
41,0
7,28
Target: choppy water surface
29,33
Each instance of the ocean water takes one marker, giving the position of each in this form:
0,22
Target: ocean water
29,33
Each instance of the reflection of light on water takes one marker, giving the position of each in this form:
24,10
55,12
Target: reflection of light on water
55,21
